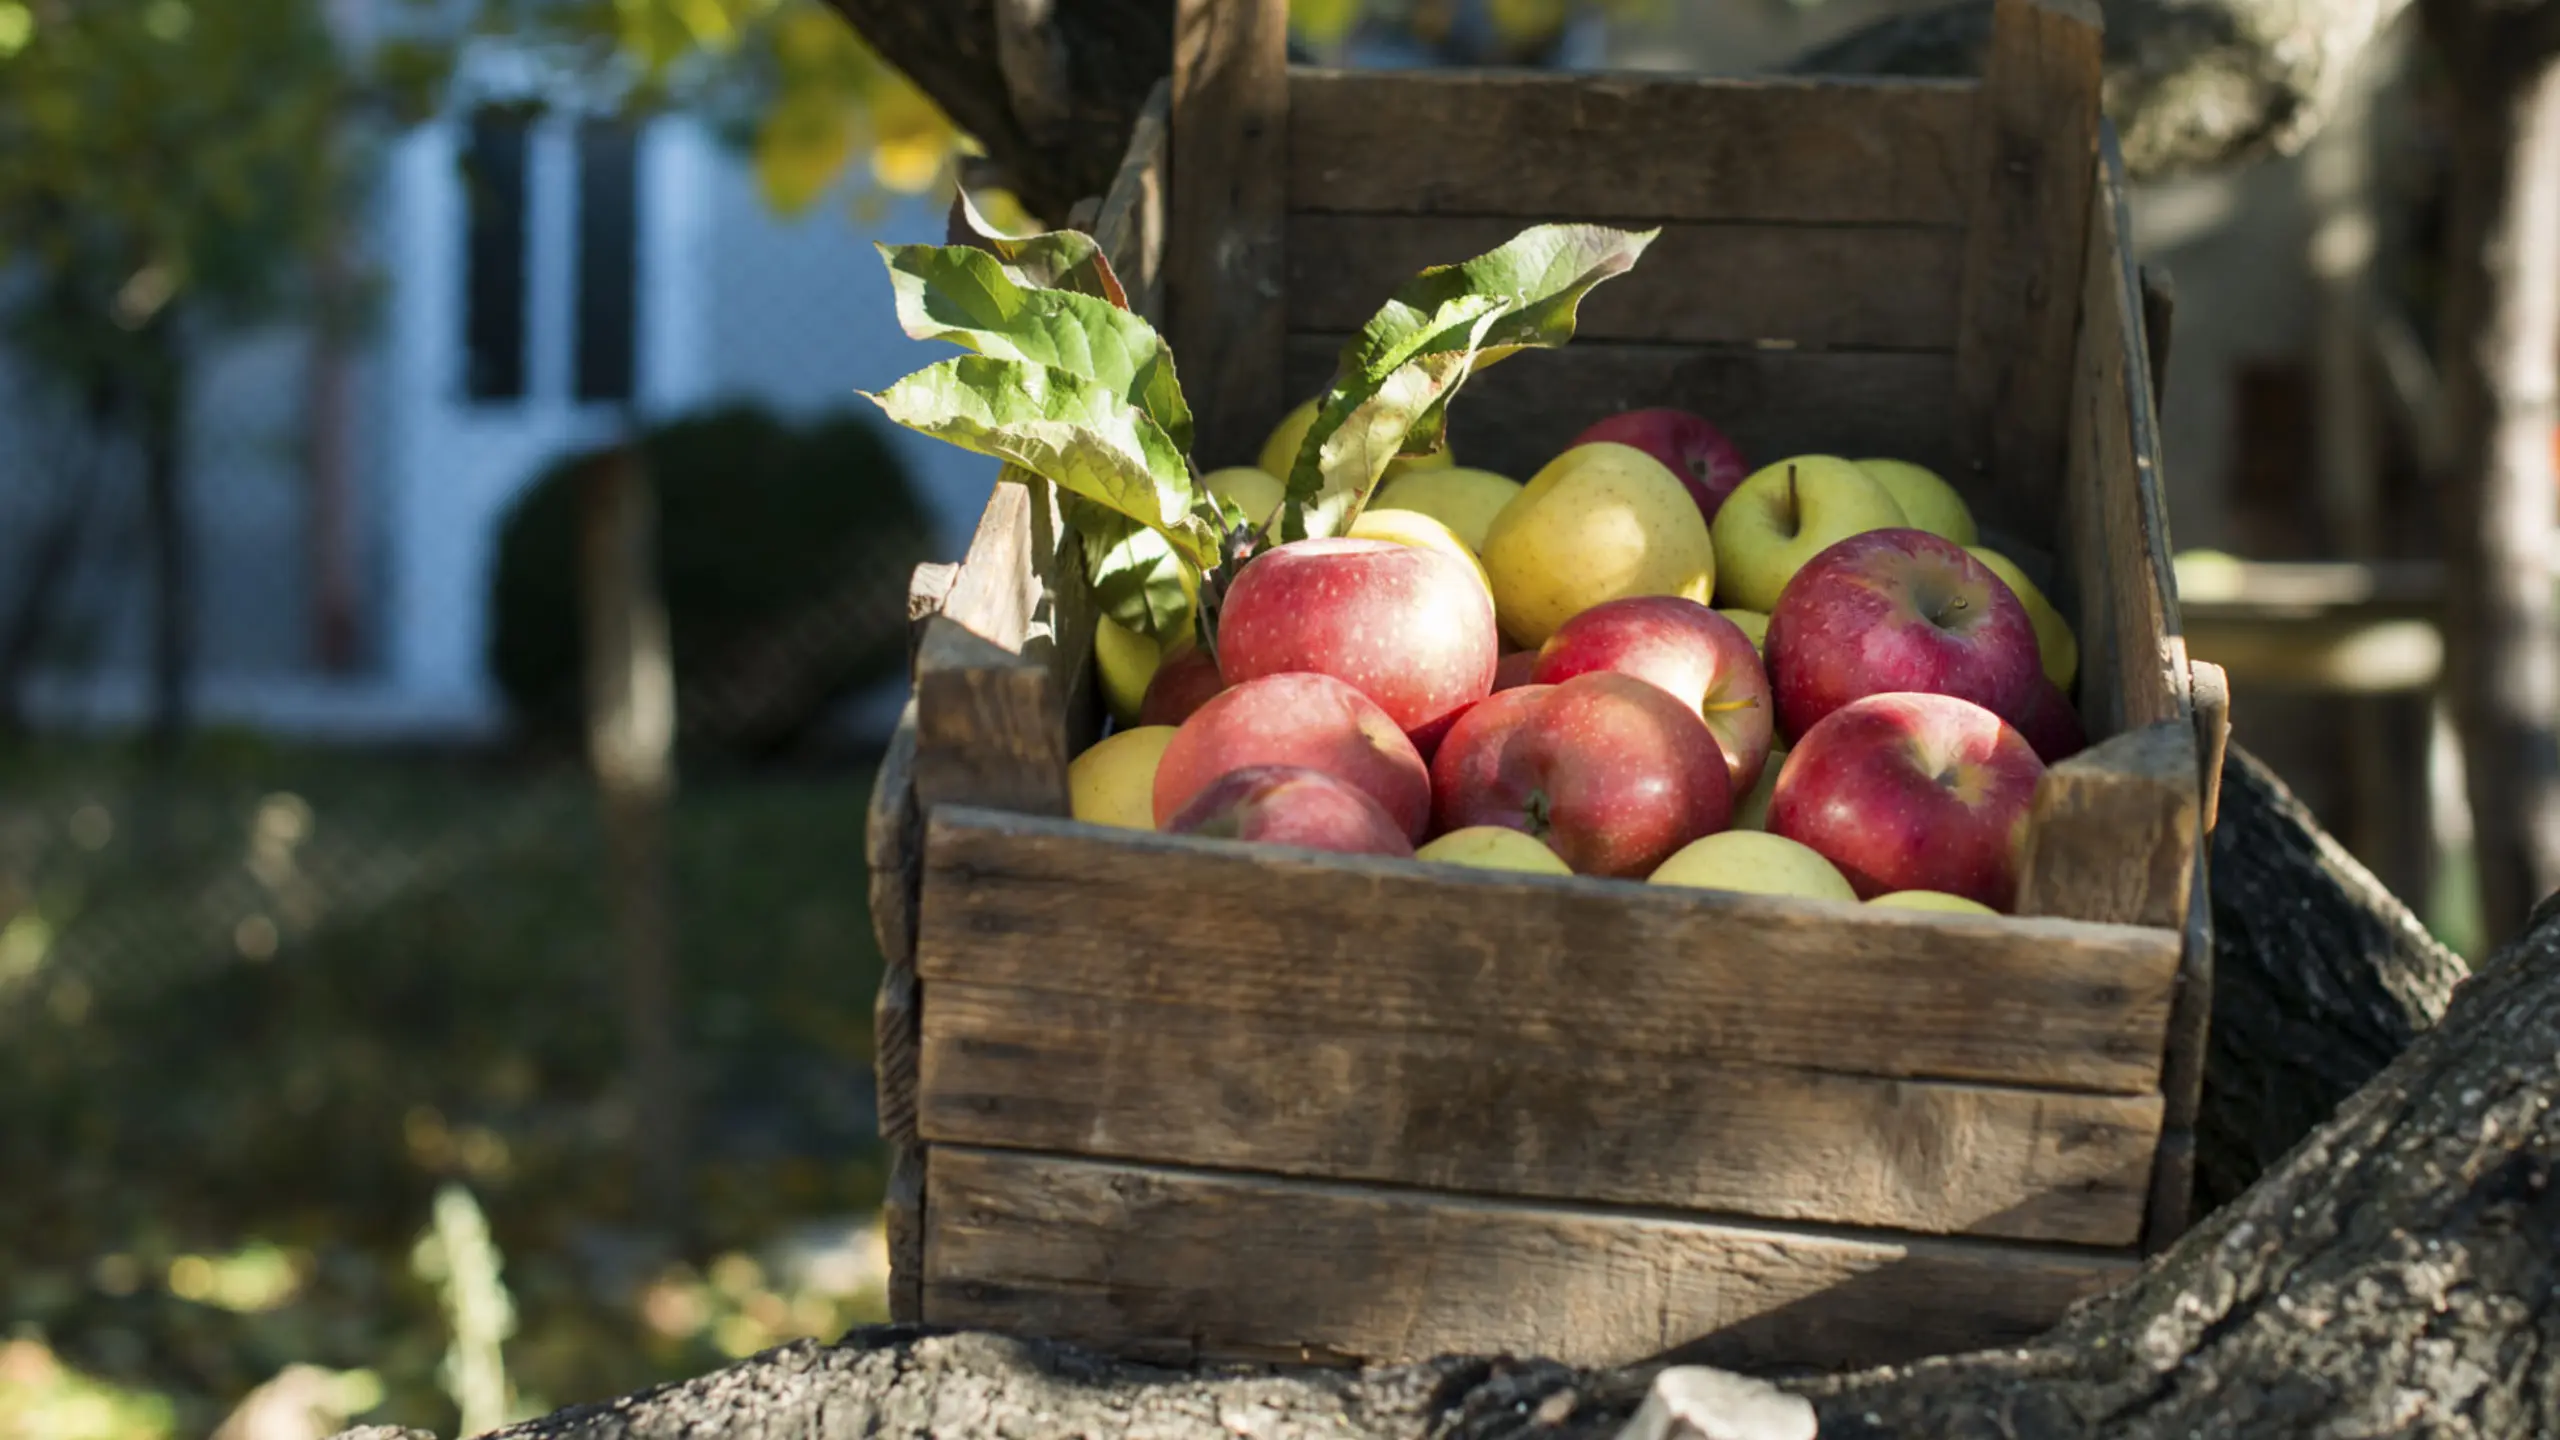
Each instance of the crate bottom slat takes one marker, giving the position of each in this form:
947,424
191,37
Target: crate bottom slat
1182,1264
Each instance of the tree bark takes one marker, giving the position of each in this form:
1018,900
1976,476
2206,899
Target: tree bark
2500,350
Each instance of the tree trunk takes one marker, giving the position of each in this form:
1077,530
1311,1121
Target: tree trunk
2398,1272
2500,349
51,550
170,542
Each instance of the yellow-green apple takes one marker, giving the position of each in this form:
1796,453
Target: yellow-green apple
1412,527
2054,641
1689,446
1703,659
1492,847
1297,719
1786,514
1754,623
1756,864
1409,626
1612,773
1751,812
1280,452
1937,900
1126,661
2051,725
1249,489
1912,792
1290,805
1465,500
1898,610
1600,522
1927,500
1114,781
1182,683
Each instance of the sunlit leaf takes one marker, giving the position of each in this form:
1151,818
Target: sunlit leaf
1138,577
1056,259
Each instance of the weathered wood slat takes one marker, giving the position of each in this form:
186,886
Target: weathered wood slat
1873,287
1333,1095
2191,1014
1223,268
1629,147
1130,223
1265,1269
2035,150
1521,413
1651,973
2114,831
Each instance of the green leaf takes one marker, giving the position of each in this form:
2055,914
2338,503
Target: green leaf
1051,260
1392,386
1074,432
1139,579
964,295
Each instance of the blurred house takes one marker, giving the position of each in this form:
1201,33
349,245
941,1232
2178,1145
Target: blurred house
546,275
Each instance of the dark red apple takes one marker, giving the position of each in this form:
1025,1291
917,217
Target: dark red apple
1892,611
1299,719
1182,684
1612,773
1513,670
1291,805
1689,446
1407,626
1912,792
2051,725
1704,660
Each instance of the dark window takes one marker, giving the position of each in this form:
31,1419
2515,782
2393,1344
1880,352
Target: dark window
608,198
493,332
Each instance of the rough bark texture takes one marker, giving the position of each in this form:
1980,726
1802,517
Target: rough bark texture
2396,1273
2500,350
2191,84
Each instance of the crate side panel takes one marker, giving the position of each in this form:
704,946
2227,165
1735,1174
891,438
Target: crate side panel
1630,147
1820,286
1674,975
1192,1264
1333,1095
1522,413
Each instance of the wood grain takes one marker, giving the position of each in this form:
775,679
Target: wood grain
1871,287
2114,831
2183,1059
1523,412
893,852
903,1221
1675,976
1130,226
1628,148
989,726
1335,1094
1224,268
1185,1264
2034,150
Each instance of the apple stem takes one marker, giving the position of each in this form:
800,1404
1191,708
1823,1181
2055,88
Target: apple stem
1795,504
1540,815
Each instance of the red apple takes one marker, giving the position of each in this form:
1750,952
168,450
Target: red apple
1704,660
1407,626
1291,805
1182,684
1299,719
1912,792
1513,670
1898,610
1689,446
2051,725
1612,773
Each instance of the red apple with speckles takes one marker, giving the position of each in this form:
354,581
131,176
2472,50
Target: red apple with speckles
1612,773
1409,627
1296,719
1705,661
1182,684
1689,446
2051,725
1291,805
1892,611
1912,792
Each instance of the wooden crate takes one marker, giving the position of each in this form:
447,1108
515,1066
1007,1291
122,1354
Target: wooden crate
1177,1098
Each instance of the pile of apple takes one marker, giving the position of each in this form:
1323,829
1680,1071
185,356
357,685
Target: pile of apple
1648,662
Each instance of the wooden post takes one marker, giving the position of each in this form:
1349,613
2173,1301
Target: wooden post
1224,264
631,744
2034,157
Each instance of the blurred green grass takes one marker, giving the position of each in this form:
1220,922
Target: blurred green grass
256,1006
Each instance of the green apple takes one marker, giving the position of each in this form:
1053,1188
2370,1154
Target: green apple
1250,489
1601,522
1464,500
1754,623
1751,812
1927,500
1756,863
1494,847
1786,514
1114,782
2054,643
1938,900
1126,661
